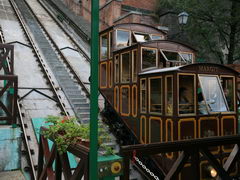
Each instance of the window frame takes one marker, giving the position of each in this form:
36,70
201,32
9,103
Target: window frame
234,93
116,97
156,35
154,118
129,100
130,41
145,69
115,69
110,74
221,89
142,33
100,77
166,97
194,94
173,61
105,34
134,66
121,67
149,95
143,118
143,79
185,52
134,102
110,55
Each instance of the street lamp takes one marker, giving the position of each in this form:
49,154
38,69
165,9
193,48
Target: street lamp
182,18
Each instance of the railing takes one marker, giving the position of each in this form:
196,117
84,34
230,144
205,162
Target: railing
188,148
7,58
8,98
47,156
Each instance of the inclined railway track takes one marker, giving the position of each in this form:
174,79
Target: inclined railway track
59,66
44,41
23,126
50,82
75,44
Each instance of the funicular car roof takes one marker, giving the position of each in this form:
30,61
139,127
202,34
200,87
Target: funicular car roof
190,68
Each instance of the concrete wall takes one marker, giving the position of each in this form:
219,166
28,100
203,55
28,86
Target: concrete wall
10,148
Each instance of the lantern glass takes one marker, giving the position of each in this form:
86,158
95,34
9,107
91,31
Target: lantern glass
182,18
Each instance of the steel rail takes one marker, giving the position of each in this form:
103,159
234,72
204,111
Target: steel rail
78,30
26,142
65,32
30,159
80,82
39,58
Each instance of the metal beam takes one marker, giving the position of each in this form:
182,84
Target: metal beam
94,90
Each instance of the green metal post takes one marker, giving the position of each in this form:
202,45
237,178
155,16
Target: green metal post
93,173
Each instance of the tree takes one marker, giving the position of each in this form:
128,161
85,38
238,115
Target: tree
213,27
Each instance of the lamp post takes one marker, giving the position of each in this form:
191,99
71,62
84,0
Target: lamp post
182,19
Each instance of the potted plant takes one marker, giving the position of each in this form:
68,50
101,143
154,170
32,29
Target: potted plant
66,131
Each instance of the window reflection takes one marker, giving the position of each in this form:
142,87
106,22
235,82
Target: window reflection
187,57
141,37
104,47
125,62
157,37
123,38
169,96
172,58
149,58
134,66
186,94
116,68
212,94
155,89
228,90
125,101
111,44
143,95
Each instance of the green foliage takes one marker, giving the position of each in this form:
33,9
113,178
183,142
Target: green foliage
213,25
66,131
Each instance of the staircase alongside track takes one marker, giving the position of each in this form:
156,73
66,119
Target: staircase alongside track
75,96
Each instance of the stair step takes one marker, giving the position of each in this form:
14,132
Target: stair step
81,105
83,110
78,100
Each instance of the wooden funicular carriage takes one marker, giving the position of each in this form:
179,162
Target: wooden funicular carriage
162,95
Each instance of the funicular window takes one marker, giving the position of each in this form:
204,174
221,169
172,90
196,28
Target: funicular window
169,95
174,58
186,94
188,57
134,66
103,75
143,97
228,85
104,46
156,129
125,100
140,37
155,95
110,76
156,37
116,69
123,38
110,44
125,67
149,58
214,99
